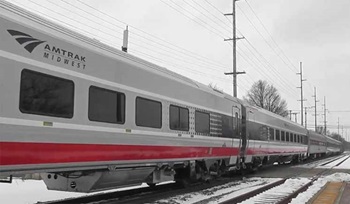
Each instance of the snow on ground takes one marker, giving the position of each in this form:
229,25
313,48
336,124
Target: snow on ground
318,184
344,165
31,191
220,193
332,164
320,162
275,194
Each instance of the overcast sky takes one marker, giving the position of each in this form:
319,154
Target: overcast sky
187,36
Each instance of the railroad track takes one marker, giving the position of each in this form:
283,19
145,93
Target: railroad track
335,159
284,190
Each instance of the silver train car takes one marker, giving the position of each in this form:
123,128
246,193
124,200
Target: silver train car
333,146
89,117
317,144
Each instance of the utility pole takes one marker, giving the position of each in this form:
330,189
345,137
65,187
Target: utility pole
234,39
305,118
315,108
301,93
338,125
325,115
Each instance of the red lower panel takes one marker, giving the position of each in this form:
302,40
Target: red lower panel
14,153
267,151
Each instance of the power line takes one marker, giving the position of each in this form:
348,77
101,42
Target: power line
166,51
272,39
271,36
224,28
250,44
192,19
274,71
261,35
180,49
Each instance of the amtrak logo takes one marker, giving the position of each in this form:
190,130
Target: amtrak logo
23,38
50,52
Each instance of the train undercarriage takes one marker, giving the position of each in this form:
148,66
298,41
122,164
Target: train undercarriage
182,173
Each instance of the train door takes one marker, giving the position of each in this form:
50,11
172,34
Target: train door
239,120
243,134
236,138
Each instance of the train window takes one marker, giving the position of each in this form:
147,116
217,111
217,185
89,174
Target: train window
282,136
202,122
272,133
178,118
264,133
278,135
287,136
148,113
227,126
43,94
106,105
299,139
292,139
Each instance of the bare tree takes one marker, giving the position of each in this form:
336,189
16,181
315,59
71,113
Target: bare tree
265,95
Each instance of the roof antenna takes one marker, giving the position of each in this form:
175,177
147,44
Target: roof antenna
125,40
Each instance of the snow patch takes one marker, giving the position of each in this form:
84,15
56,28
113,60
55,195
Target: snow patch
220,193
277,193
31,191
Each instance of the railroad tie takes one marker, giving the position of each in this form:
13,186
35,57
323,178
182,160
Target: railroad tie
329,194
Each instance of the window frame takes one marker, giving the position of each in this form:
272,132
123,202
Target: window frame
278,136
195,120
161,112
272,133
70,116
188,117
111,91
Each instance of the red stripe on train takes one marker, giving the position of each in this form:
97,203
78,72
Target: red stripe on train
276,150
14,153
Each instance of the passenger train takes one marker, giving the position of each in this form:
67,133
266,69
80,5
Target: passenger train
89,117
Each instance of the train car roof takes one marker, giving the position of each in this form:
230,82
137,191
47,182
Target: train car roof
333,140
314,134
271,114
